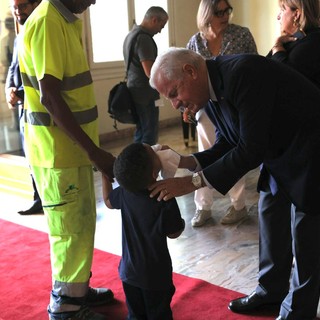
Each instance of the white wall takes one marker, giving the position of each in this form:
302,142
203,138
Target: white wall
261,18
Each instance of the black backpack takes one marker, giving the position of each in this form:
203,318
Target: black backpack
120,103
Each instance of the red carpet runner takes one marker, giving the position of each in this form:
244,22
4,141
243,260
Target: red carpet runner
25,283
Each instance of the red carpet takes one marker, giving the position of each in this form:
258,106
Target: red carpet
25,283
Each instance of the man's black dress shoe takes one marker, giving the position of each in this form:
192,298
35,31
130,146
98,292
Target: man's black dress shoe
249,303
34,209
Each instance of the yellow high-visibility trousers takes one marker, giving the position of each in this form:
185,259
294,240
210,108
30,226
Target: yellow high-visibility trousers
68,200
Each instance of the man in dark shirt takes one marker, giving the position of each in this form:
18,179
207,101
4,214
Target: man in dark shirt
140,51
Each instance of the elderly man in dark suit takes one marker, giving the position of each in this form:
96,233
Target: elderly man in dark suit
264,113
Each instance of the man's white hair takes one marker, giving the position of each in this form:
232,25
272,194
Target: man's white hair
169,64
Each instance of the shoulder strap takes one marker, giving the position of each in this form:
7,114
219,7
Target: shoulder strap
133,40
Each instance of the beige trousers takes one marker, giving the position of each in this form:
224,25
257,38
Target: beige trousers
203,197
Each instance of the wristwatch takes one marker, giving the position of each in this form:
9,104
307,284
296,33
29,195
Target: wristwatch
196,180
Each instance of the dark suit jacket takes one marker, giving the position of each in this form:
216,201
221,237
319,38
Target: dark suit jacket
268,113
303,55
13,76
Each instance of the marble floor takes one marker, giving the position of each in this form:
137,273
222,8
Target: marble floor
226,256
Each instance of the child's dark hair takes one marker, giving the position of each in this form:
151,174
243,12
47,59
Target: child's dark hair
133,168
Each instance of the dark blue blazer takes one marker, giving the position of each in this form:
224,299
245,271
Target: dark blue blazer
303,55
13,77
267,113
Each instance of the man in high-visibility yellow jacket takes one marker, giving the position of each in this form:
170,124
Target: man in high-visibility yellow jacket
61,135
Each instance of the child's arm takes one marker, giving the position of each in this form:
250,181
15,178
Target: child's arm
106,189
178,233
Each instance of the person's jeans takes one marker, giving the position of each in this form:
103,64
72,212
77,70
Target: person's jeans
147,127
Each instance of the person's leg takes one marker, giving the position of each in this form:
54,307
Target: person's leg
138,135
205,130
203,197
193,129
275,245
237,211
238,194
16,119
303,297
275,253
36,197
36,206
147,128
69,203
185,131
158,304
135,302
21,127
138,132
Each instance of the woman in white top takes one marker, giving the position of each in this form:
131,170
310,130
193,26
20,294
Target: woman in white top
216,37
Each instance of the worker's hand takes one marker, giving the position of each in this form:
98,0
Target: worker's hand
103,161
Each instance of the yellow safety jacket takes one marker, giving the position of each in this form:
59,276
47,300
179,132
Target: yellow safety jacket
53,46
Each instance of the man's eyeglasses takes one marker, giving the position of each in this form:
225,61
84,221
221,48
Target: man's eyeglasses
221,13
20,7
